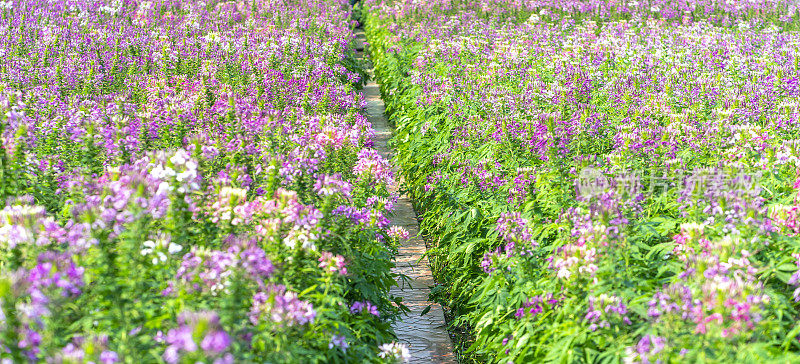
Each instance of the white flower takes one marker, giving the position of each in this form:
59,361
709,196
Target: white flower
149,246
185,176
164,188
180,157
395,350
743,25
213,37
174,248
161,172
304,237
157,246
108,10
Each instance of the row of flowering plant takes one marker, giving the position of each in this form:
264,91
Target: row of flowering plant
602,181
190,181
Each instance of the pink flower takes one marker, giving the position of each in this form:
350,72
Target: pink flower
332,263
398,232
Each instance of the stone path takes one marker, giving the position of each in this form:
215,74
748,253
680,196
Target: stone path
426,335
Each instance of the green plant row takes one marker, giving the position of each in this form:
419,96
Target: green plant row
590,198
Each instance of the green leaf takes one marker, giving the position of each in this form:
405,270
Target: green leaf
425,310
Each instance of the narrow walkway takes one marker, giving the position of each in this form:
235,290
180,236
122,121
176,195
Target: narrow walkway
426,335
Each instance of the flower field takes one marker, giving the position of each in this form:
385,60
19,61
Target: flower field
602,181
598,181
190,181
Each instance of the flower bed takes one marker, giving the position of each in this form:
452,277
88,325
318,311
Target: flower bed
189,182
602,181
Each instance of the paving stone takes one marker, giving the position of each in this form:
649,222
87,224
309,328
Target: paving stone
425,335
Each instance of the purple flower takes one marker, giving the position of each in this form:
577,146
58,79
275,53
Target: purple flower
338,341
281,306
372,164
109,357
359,307
215,341
192,327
